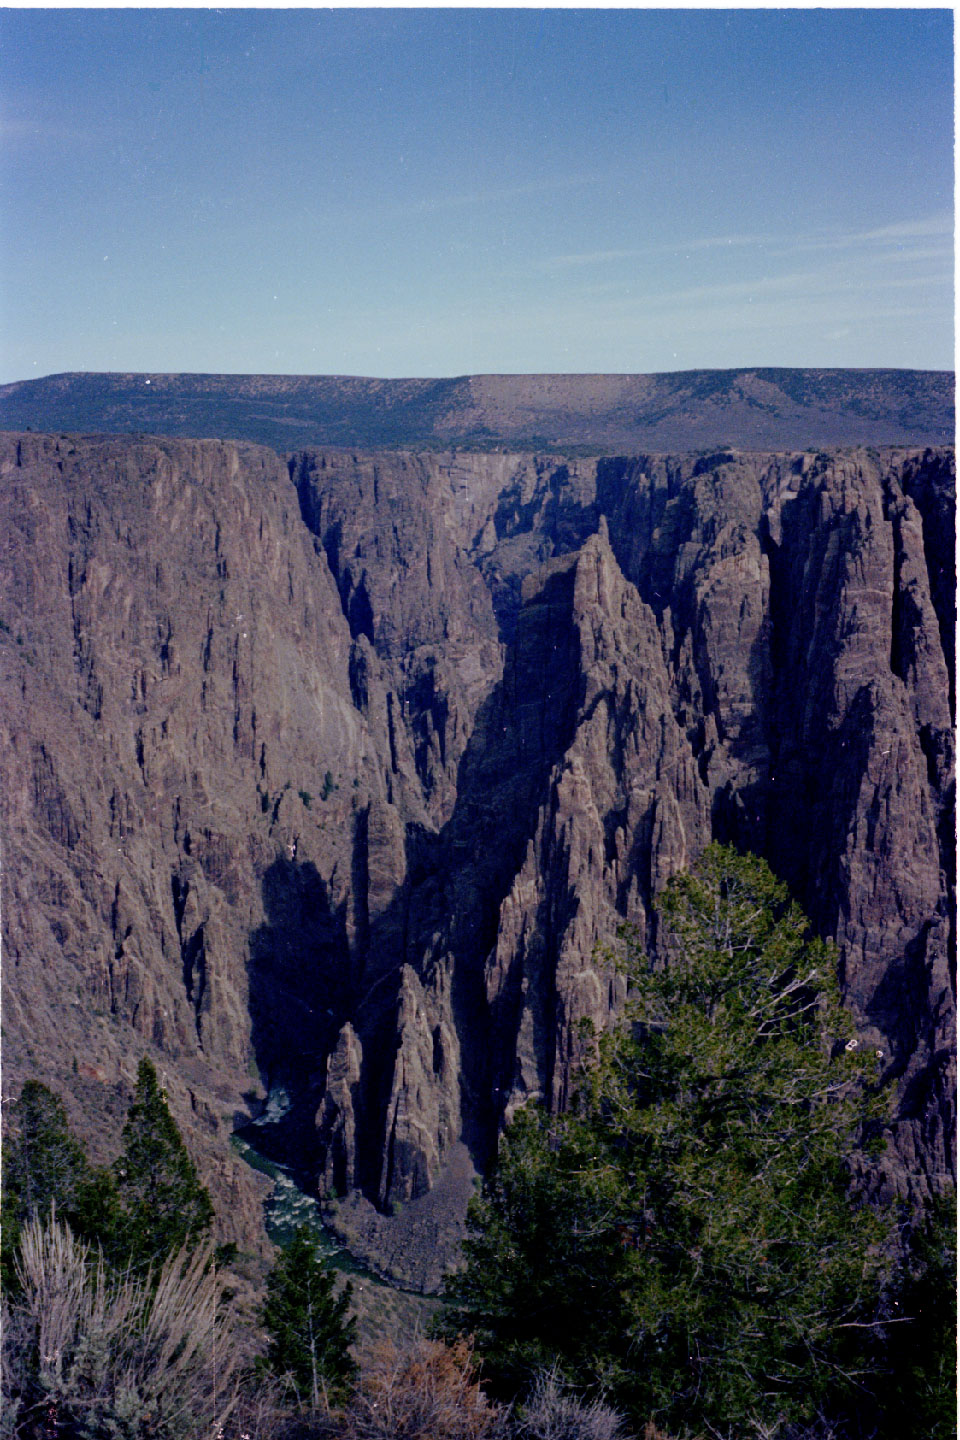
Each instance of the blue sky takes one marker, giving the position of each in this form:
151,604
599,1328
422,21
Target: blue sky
442,192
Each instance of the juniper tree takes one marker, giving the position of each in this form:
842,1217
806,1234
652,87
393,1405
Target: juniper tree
687,1236
137,1211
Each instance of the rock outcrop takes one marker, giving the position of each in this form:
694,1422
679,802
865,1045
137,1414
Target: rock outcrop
327,781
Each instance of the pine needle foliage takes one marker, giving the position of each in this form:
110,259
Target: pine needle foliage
161,1203
919,1393
42,1161
687,1238
310,1327
44,1165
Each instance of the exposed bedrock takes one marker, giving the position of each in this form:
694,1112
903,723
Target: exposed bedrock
827,738
327,781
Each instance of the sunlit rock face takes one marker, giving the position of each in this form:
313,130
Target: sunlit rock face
327,780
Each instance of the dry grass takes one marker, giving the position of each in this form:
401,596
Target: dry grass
426,1391
553,1412
120,1357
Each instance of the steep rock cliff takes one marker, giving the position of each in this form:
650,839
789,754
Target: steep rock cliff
325,781
174,671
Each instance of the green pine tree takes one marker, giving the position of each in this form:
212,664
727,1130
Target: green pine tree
162,1203
310,1327
44,1165
688,1235
545,1271
920,1349
42,1161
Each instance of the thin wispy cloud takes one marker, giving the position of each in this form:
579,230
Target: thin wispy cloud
727,242
638,252
744,290
921,229
495,195
593,257
804,287
904,233
906,238
14,131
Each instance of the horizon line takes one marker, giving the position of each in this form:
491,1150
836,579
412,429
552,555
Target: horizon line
150,375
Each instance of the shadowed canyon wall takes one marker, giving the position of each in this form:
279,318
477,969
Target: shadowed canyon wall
323,779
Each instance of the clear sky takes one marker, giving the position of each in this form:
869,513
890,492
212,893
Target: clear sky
445,192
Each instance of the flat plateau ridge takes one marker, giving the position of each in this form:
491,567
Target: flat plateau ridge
324,776
622,414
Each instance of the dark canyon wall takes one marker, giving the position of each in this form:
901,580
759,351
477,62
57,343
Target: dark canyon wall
322,780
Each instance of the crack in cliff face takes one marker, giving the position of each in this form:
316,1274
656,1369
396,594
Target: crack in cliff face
436,931
336,774
192,951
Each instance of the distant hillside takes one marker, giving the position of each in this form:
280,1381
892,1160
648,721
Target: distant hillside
688,410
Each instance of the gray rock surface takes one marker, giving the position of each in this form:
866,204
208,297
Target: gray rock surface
326,782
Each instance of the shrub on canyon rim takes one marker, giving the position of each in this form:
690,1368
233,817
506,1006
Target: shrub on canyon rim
686,1238
90,1354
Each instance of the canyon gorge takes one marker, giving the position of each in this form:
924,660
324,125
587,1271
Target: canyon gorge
329,776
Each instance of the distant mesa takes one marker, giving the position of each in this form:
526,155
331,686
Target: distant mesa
687,410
